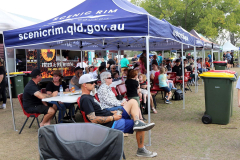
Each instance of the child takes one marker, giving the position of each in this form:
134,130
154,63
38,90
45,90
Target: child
132,85
162,78
143,90
169,82
115,76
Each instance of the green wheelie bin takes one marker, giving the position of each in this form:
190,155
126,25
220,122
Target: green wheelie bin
17,84
220,65
231,72
27,77
218,97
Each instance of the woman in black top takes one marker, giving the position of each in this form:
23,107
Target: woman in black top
132,85
55,86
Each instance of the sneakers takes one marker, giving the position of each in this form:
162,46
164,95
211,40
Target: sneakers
2,107
140,126
168,102
144,105
174,88
143,152
166,97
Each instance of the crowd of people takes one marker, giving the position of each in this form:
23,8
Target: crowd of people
105,111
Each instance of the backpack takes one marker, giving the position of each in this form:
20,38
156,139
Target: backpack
178,94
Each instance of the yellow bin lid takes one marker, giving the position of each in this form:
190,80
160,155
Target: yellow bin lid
217,75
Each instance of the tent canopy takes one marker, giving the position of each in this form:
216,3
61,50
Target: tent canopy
207,44
12,21
100,25
228,46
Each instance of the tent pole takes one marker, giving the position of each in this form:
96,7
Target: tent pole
212,58
118,60
15,61
9,87
203,57
148,87
195,64
219,55
162,54
238,59
61,62
183,80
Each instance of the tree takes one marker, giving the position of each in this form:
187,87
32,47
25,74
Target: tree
208,17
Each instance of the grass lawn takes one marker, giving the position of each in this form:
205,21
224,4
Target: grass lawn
179,133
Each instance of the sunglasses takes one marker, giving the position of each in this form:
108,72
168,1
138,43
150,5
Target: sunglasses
109,78
94,82
113,68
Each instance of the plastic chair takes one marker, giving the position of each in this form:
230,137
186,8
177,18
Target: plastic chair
172,76
82,112
34,115
122,90
186,80
85,117
96,97
87,141
156,88
114,91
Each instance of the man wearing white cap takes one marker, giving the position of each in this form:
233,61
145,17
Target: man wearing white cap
111,119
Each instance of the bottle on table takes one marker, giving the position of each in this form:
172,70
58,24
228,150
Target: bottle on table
61,90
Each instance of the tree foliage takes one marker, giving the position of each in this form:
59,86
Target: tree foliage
208,17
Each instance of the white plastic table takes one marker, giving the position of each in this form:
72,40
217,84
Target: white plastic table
64,98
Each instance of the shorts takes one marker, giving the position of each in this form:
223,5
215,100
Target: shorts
144,91
42,109
166,89
125,124
114,108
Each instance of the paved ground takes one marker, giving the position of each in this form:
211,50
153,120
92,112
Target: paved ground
179,133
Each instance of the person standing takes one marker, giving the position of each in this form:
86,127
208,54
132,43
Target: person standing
210,58
110,62
160,59
124,63
103,63
3,84
134,59
229,57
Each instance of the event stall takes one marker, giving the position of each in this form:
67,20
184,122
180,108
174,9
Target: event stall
228,46
101,25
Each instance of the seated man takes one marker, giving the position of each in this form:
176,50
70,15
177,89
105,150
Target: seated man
75,79
32,99
113,69
122,122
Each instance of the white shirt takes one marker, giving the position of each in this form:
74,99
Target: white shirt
94,74
79,64
153,72
199,65
238,83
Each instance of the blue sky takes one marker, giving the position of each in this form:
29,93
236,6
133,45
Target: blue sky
38,9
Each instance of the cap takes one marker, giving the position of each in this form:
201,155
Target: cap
78,68
177,60
58,73
35,72
86,78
